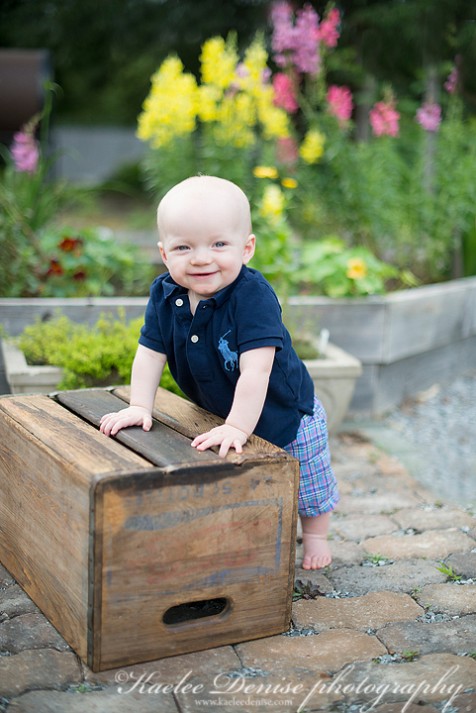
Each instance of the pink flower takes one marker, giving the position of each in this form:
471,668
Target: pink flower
451,84
340,103
384,119
306,51
25,152
295,45
287,151
429,116
284,95
328,32
283,31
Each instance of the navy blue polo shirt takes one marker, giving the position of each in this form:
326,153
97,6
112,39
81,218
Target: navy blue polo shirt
203,350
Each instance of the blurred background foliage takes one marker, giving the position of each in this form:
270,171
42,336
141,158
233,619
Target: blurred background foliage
104,52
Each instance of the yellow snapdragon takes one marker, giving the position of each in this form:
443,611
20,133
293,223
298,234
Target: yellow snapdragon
272,204
171,106
218,62
312,148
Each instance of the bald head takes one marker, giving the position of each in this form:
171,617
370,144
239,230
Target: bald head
204,203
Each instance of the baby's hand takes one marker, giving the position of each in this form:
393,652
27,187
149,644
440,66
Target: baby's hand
224,436
111,423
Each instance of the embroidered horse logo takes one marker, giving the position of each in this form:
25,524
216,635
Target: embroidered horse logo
230,358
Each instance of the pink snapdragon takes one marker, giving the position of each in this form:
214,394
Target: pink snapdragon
429,116
384,119
451,84
25,152
339,100
328,32
284,94
287,151
295,45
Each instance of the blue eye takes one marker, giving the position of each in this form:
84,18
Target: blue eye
220,244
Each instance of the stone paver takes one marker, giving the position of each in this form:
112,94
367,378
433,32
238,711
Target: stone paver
92,702
457,636
400,576
450,598
425,518
41,668
201,664
14,601
355,527
432,544
328,651
381,627
383,503
436,677
368,612
30,631
463,564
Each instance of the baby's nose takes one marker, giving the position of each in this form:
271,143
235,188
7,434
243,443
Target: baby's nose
201,255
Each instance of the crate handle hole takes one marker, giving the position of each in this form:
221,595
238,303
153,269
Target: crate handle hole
190,611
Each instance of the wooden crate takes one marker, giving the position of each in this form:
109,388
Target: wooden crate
139,547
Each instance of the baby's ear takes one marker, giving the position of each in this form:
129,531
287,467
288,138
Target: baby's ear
249,249
162,252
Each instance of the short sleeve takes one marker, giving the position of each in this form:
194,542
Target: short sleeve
259,323
150,335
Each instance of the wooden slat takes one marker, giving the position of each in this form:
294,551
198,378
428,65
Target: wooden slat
74,441
161,445
190,420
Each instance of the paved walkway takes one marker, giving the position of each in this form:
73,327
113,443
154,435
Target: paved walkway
382,629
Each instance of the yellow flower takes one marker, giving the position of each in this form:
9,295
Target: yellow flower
208,98
265,172
218,62
272,204
289,182
356,268
171,107
312,147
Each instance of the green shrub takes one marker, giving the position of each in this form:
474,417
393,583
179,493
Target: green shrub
101,355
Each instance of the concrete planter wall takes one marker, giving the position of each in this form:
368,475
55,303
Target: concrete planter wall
406,341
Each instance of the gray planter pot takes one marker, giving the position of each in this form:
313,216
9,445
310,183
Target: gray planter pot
25,379
334,376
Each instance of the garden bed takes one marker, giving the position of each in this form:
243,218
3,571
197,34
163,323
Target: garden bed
406,340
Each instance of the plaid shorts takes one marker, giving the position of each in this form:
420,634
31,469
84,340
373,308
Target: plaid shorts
318,491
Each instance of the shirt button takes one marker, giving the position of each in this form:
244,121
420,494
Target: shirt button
179,302
194,338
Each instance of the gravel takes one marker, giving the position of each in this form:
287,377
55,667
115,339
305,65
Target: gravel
434,435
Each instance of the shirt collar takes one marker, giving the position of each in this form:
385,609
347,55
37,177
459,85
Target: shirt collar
171,288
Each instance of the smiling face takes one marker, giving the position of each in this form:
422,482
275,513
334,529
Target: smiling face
205,234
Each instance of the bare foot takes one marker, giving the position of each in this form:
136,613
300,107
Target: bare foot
317,553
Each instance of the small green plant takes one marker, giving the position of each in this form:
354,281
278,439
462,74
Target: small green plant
409,655
101,355
376,559
449,572
331,268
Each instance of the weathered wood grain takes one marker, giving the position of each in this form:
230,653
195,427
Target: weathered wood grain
161,445
190,420
106,541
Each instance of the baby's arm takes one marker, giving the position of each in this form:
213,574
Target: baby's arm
146,373
248,402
